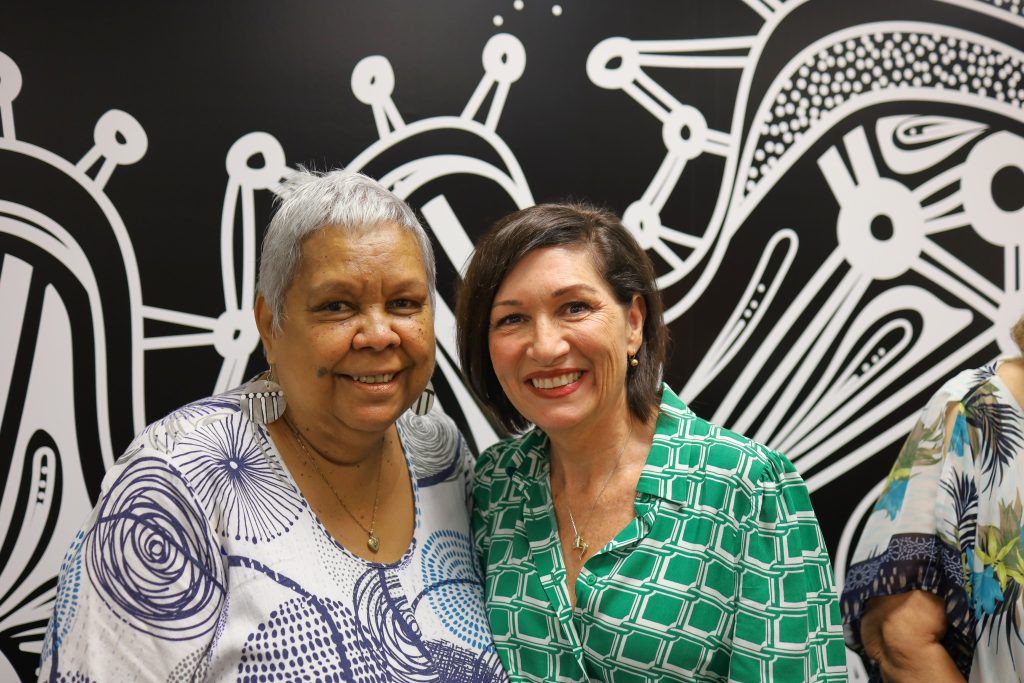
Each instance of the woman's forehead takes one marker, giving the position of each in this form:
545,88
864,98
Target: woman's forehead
556,261
389,253
552,272
385,240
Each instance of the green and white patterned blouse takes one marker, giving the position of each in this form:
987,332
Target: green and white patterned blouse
722,576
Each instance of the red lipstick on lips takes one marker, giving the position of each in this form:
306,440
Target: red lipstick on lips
556,392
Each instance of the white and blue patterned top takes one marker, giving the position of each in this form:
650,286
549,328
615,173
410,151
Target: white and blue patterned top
203,561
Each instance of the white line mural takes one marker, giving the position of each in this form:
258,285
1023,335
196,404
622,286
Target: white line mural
844,356
64,424
373,81
912,130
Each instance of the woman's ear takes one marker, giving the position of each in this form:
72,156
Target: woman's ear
265,325
635,317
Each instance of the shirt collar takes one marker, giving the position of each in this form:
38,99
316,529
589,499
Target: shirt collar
669,453
529,461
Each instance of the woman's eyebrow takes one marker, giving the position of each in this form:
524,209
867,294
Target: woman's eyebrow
350,285
561,291
570,288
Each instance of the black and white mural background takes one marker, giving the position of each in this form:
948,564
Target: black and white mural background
833,193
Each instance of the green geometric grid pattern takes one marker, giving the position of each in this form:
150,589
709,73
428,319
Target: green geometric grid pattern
723,575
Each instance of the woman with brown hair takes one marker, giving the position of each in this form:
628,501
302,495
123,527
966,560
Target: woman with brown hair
622,537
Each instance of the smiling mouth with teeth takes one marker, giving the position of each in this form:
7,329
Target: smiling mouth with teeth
555,382
373,379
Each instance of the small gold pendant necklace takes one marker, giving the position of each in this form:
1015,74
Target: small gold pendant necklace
372,540
578,543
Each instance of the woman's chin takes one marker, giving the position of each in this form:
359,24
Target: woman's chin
369,419
553,422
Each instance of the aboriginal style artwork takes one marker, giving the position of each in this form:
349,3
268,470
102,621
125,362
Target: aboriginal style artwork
832,194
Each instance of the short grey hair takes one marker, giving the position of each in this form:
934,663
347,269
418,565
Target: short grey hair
310,201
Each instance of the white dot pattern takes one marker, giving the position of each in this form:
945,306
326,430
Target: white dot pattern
874,62
1012,6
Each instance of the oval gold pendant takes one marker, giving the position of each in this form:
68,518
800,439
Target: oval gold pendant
373,543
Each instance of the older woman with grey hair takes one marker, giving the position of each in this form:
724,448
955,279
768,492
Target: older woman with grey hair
307,525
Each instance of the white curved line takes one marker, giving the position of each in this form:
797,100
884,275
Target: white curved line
737,331
444,123
880,411
412,175
986,8
131,266
781,329
36,228
227,244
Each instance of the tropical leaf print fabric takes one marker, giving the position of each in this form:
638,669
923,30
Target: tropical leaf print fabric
949,521
202,561
722,575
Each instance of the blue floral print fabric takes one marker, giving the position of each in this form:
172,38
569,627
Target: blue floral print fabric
949,521
203,561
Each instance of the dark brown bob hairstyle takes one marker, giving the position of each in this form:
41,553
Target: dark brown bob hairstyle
626,269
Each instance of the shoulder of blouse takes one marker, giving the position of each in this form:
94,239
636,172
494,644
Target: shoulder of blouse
437,424
164,436
504,456
718,446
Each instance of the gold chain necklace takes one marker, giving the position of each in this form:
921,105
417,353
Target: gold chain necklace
372,540
578,543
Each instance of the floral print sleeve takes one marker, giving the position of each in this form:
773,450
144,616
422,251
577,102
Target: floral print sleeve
949,521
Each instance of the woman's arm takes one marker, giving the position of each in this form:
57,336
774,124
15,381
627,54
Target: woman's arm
903,633
904,552
142,588
785,587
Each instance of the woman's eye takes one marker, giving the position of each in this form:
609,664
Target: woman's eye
333,307
577,307
507,320
405,305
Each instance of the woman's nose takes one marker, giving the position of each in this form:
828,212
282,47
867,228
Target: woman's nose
376,332
548,342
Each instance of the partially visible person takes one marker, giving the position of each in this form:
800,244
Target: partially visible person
622,537
934,589
304,526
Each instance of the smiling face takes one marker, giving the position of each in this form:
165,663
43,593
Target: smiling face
559,339
357,342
